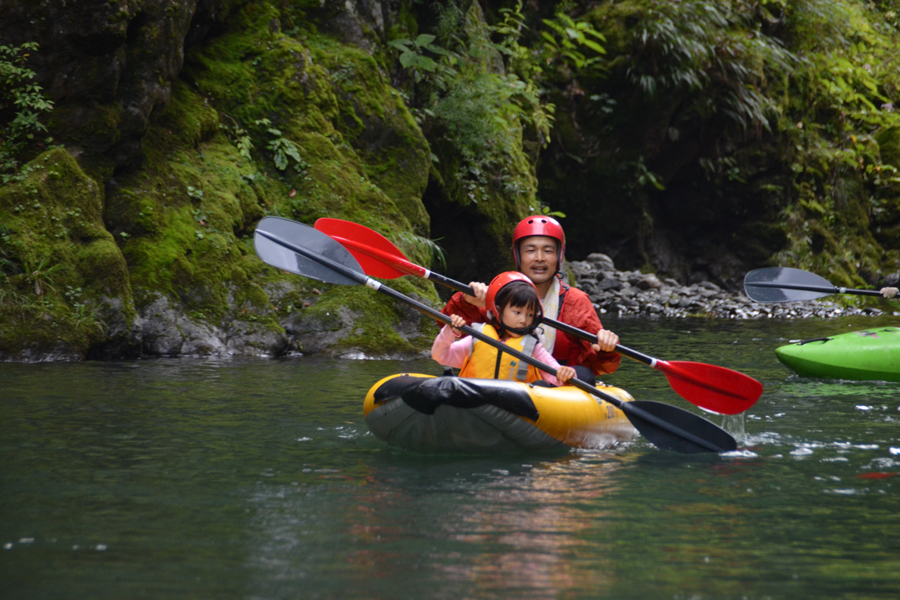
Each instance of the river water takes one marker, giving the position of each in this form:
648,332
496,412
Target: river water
259,480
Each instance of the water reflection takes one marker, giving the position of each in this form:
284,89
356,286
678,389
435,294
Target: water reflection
472,523
529,531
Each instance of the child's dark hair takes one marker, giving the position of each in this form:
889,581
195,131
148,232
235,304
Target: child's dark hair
519,294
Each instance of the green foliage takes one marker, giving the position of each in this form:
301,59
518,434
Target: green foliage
481,89
282,148
717,51
835,115
567,38
544,209
21,105
240,138
414,55
526,66
41,275
422,246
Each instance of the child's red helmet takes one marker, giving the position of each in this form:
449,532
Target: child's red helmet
539,225
501,281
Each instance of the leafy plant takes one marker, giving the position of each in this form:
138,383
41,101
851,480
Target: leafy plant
567,38
414,54
87,317
39,275
431,249
194,193
526,66
546,210
21,105
241,138
715,51
282,148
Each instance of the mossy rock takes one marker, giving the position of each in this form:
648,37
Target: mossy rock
184,218
65,284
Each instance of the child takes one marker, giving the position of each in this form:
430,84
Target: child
514,310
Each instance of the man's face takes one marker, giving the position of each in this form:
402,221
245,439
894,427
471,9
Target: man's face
538,255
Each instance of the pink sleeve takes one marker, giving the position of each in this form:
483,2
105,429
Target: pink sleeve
448,352
547,358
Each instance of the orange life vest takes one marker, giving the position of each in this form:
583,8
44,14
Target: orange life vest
486,362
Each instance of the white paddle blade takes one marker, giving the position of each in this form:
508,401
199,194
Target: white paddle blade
279,253
775,285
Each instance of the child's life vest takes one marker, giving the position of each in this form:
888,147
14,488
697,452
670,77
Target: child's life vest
487,362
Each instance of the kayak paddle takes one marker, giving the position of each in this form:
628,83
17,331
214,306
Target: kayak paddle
712,388
783,284
315,255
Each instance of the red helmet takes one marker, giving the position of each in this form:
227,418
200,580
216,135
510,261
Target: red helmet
539,225
501,281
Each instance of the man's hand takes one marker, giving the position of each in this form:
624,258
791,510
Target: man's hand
480,294
606,341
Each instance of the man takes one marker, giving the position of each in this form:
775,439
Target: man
539,246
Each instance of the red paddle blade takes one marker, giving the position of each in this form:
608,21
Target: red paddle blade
375,253
712,388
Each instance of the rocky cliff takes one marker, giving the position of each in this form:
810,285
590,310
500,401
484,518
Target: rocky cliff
176,126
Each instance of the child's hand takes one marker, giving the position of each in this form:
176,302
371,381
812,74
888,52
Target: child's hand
456,322
564,374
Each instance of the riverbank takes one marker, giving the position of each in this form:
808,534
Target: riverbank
632,293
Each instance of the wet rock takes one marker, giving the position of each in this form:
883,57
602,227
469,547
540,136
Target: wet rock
647,282
124,336
167,331
601,262
609,284
582,269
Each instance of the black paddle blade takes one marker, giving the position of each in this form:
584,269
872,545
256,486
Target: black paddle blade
280,255
774,285
670,428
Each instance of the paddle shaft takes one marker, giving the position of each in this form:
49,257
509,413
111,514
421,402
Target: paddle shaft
814,288
418,271
367,281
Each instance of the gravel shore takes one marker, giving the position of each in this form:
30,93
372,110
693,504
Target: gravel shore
627,293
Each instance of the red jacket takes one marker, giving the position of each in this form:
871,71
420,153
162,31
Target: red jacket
575,309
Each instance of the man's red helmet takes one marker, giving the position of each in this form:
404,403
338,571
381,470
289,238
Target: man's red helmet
539,225
501,281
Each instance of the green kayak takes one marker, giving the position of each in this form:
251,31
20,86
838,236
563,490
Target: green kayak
868,354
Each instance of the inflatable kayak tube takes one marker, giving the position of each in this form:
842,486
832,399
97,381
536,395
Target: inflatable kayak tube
871,354
454,414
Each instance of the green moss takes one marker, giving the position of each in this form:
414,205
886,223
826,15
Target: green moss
375,321
59,261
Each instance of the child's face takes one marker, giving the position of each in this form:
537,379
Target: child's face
517,316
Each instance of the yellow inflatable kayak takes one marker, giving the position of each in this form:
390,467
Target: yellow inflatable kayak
454,414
